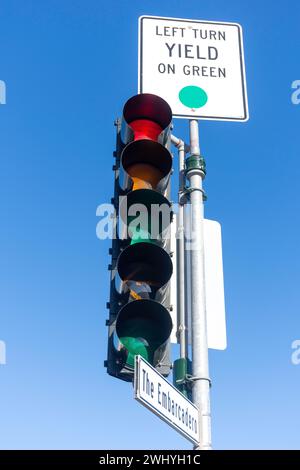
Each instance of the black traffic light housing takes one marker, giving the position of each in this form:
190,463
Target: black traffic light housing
141,266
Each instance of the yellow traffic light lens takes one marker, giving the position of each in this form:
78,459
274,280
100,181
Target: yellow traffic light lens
144,176
148,162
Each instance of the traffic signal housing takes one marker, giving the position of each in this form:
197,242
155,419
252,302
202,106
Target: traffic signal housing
139,307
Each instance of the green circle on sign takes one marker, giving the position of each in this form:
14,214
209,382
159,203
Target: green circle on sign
193,96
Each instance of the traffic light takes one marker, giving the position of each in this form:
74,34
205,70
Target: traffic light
139,318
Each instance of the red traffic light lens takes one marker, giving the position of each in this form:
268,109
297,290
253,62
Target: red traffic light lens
145,129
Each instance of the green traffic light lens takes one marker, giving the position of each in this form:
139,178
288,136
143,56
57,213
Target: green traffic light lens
136,346
143,326
146,213
139,235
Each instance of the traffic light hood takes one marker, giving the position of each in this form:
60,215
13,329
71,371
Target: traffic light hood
143,327
157,159
145,262
150,107
155,208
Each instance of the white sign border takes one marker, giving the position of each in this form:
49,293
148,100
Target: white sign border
137,397
242,63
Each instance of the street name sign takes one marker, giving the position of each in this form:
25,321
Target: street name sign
158,395
196,66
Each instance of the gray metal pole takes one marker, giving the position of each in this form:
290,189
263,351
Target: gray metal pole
201,385
181,311
180,259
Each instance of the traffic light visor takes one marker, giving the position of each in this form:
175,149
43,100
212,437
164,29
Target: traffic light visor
146,161
142,327
145,262
149,107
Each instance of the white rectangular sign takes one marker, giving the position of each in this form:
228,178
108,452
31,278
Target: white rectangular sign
196,66
158,395
214,286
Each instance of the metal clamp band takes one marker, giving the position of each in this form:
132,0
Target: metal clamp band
191,378
187,192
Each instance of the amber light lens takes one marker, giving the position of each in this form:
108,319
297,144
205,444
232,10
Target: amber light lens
148,161
144,176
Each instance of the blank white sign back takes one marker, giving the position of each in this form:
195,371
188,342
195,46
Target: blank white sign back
214,287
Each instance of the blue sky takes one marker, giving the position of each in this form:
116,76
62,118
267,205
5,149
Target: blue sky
69,67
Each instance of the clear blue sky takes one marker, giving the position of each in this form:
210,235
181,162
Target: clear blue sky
68,67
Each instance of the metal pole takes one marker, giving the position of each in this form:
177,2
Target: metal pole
180,258
181,301
201,382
